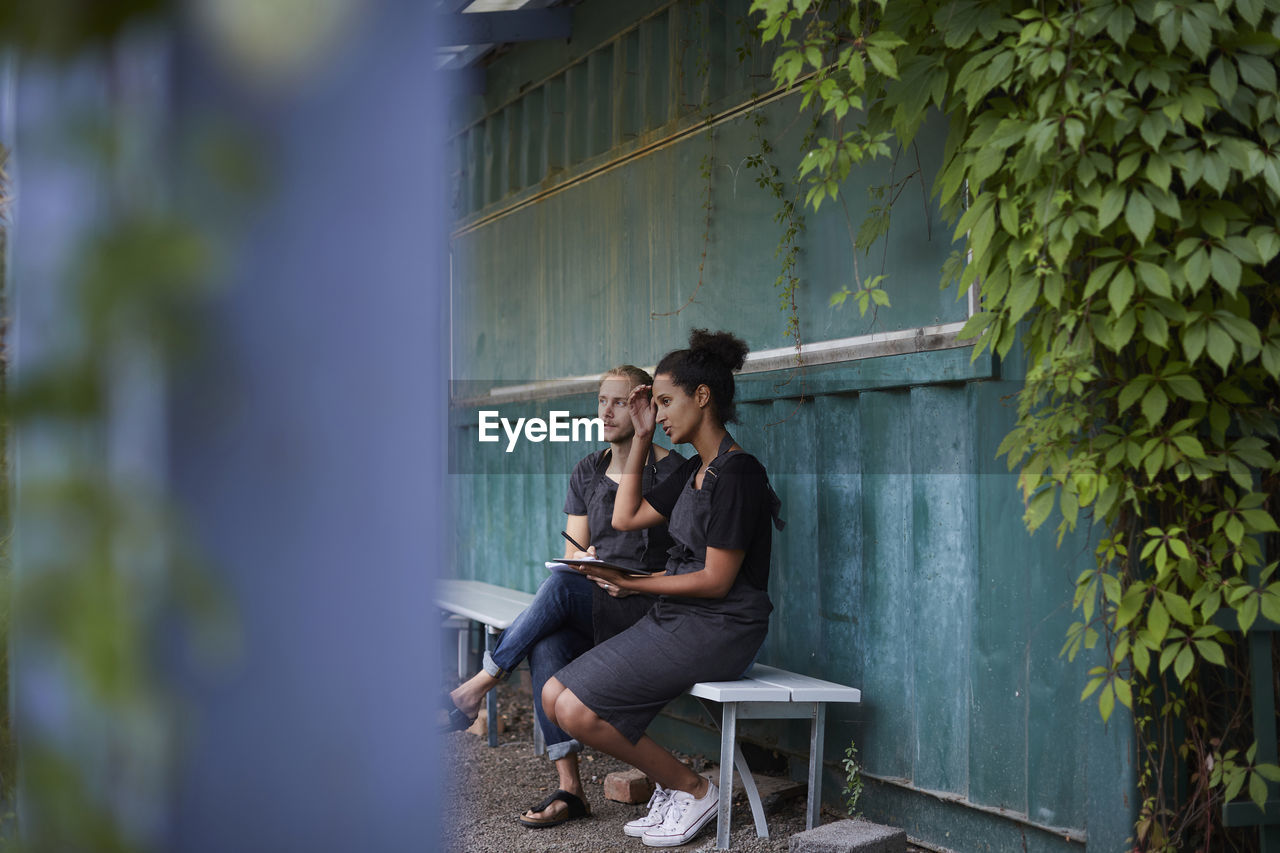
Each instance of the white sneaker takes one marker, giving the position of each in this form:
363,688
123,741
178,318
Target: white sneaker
657,811
685,816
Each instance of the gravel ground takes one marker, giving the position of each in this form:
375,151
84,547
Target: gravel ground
487,789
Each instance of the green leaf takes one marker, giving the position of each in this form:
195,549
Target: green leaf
1198,269
1157,621
1154,278
1038,509
883,61
1130,604
1259,521
1258,790
975,325
1211,651
1185,661
1022,297
1155,328
1258,72
1223,79
1221,347
1107,702
1178,608
1121,290
1132,392
1124,692
1154,403
1247,612
1158,171
1111,205
1099,278
1140,216
1141,660
1185,386
1196,36
1193,340
1190,445
1271,606
1270,772
1226,269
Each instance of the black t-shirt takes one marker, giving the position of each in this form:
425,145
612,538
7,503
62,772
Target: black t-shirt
740,516
640,548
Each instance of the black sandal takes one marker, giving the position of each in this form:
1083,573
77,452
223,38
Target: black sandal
458,721
576,808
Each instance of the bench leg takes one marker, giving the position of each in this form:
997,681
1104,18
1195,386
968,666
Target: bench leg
813,812
753,794
728,746
491,700
744,772
464,642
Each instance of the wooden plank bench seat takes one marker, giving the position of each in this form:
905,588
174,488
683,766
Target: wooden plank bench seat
768,693
495,607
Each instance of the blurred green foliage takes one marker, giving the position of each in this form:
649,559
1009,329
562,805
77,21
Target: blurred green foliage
106,568
63,29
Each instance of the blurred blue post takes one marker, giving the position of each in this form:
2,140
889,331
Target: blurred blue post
308,445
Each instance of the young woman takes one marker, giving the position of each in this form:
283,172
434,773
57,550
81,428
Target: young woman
714,608
569,612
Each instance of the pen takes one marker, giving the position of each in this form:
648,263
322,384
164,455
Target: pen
572,541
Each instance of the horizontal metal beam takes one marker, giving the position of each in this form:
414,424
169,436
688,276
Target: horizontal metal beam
1247,813
500,27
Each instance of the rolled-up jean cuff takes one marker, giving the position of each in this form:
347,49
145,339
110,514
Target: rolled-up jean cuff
557,751
492,668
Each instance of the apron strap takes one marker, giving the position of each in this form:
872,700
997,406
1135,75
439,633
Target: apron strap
650,474
601,464
709,482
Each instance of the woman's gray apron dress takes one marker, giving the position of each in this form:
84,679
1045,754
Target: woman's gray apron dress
630,678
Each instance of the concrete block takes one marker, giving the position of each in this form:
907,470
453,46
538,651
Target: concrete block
849,836
628,786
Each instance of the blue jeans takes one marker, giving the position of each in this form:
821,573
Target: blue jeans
553,630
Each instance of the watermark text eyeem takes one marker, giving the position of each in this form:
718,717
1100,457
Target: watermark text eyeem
558,427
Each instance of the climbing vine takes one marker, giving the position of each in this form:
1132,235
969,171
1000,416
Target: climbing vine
1112,171
790,220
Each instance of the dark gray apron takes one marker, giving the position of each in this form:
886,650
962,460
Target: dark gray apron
627,548
630,548
630,678
745,603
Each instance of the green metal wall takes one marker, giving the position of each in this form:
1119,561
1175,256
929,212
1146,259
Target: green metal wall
904,568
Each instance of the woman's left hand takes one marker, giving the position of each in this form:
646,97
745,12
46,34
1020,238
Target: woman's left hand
608,579
612,588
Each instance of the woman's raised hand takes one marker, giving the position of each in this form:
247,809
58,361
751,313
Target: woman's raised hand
644,412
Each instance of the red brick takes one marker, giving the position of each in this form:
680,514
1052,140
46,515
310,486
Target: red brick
628,786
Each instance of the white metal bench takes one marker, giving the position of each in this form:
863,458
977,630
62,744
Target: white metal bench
764,693
767,693
495,607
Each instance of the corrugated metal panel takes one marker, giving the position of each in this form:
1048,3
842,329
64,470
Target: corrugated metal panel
888,589
1001,654
942,580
